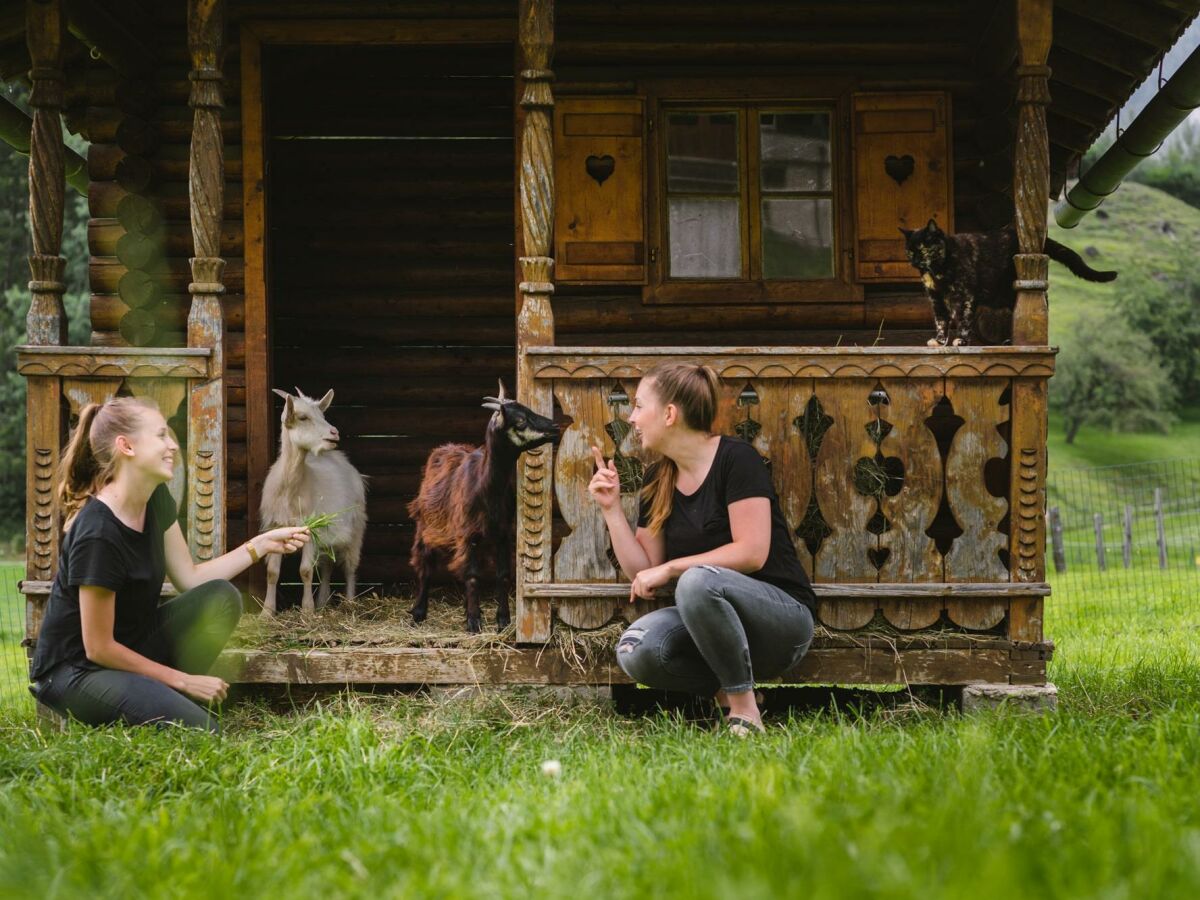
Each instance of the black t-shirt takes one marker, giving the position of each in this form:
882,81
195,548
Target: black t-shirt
102,551
699,522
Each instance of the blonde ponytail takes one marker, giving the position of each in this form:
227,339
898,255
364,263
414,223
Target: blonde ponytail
695,391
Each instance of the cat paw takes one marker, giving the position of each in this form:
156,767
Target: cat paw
957,342
934,342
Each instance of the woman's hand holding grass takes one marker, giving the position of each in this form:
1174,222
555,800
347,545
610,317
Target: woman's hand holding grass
204,689
284,540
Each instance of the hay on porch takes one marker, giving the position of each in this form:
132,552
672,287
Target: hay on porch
384,621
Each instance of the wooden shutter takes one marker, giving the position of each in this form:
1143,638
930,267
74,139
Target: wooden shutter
902,177
600,216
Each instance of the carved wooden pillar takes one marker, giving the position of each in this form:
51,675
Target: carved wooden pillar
206,193
535,321
46,324
1031,196
1031,170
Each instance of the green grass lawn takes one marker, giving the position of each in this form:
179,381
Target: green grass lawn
411,796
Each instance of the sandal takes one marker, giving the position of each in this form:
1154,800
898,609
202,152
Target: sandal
740,726
759,701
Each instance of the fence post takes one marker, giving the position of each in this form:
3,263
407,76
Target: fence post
1162,528
1098,521
1056,540
1127,543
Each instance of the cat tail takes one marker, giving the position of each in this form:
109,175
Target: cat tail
1073,261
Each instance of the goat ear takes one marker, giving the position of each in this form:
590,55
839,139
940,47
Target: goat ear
284,394
503,395
324,402
289,411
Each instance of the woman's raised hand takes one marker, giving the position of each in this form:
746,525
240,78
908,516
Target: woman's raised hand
605,486
288,539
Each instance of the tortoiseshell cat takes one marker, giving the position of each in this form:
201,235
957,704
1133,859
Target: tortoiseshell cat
969,279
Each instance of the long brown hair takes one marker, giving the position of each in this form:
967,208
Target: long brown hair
90,460
695,391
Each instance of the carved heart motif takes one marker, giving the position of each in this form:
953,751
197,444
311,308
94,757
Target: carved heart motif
899,167
600,167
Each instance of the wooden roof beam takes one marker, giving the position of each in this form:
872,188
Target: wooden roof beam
1147,22
1124,53
1088,75
108,36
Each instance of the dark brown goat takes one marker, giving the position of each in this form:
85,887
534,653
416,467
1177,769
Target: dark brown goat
465,511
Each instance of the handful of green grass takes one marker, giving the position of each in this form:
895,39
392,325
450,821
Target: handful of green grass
316,523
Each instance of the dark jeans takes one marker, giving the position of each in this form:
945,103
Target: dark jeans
724,629
191,631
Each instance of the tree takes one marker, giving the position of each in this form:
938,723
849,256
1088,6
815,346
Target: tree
1109,375
1166,308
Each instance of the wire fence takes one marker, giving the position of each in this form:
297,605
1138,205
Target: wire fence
1124,541
14,670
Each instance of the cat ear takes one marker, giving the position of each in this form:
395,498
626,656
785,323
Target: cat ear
907,232
932,225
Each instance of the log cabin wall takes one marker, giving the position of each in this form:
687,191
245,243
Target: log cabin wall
798,48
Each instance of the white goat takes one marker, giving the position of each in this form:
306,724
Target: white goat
311,476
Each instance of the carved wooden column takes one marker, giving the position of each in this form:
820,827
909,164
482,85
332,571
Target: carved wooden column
1031,170
206,193
1031,196
46,324
535,321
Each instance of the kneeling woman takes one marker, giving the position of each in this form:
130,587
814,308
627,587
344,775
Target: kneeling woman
107,651
709,517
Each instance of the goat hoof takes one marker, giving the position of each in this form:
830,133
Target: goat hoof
502,621
474,624
267,613
418,615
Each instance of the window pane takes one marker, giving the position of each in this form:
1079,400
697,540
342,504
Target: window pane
705,238
797,237
795,151
702,155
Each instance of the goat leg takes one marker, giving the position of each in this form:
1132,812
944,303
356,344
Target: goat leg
274,561
504,562
325,574
474,616
423,567
306,576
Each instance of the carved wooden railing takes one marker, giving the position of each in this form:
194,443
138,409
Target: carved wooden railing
910,507
65,379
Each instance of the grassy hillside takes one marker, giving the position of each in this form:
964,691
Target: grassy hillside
1143,229
1138,229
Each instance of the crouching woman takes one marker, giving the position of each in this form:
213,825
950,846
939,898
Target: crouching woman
710,518
107,651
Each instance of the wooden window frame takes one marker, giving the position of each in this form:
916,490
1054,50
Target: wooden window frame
749,99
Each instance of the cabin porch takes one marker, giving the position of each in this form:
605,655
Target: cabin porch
912,476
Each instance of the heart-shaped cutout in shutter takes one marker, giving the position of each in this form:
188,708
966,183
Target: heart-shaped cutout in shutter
600,167
899,167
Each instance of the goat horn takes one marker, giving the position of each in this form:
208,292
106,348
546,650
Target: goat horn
491,403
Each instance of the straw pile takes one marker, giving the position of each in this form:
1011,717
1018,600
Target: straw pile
375,621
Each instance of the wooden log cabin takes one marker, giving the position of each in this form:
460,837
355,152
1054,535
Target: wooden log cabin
405,201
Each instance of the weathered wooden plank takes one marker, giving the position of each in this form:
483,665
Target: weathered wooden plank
780,403
911,554
116,362
975,554
406,665
842,556
874,592
789,361
583,554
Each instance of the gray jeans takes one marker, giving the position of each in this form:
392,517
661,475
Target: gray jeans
724,629
192,630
